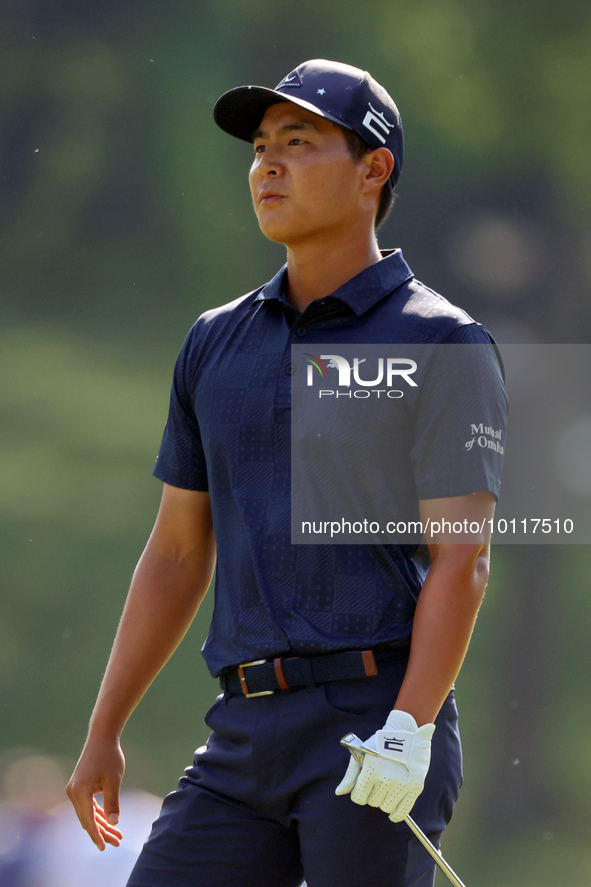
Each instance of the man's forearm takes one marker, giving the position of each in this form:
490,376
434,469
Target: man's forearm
163,599
168,585
444,619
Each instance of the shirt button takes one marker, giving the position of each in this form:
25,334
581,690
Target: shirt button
302,331
290,369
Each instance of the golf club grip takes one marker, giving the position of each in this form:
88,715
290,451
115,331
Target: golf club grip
445,868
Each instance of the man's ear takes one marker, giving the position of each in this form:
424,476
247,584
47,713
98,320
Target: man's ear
380,165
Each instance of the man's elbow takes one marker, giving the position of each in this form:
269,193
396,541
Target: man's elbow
482,571
469,565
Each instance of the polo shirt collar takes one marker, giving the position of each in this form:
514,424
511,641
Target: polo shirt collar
359,293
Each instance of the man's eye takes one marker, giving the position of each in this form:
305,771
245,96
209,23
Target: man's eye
259,149
296,141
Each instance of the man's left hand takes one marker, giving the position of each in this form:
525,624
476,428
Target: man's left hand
394,780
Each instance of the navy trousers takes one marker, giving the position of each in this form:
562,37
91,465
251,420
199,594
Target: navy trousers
258,808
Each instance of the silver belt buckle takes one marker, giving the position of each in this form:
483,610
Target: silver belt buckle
244,686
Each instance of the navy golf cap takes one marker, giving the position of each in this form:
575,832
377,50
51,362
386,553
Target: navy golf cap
340,93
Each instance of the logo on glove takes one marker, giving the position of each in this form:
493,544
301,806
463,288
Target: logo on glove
394,744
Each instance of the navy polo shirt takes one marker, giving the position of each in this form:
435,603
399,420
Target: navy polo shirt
228,432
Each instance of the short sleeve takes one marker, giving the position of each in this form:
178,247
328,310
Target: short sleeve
461,418
181,460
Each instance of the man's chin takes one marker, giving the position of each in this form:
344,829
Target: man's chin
288,235
277,232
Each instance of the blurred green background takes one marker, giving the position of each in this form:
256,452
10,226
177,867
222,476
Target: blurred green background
125,213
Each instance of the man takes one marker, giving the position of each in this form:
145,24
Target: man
339,636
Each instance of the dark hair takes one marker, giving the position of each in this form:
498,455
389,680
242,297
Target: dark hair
358,148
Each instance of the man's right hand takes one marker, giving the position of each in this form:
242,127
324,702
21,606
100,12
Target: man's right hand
99,771
168,585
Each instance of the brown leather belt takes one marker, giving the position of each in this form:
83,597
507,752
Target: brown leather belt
264,676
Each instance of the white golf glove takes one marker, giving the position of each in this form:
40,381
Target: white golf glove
394,780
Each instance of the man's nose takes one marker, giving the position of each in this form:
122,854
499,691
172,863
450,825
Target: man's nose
270,163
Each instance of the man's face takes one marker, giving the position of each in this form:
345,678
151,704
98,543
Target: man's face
304,182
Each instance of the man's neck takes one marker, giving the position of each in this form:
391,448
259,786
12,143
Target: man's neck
316,269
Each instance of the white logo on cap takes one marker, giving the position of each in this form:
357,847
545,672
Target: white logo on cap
375,118
320,91
292,80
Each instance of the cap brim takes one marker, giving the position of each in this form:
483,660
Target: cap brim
239,112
